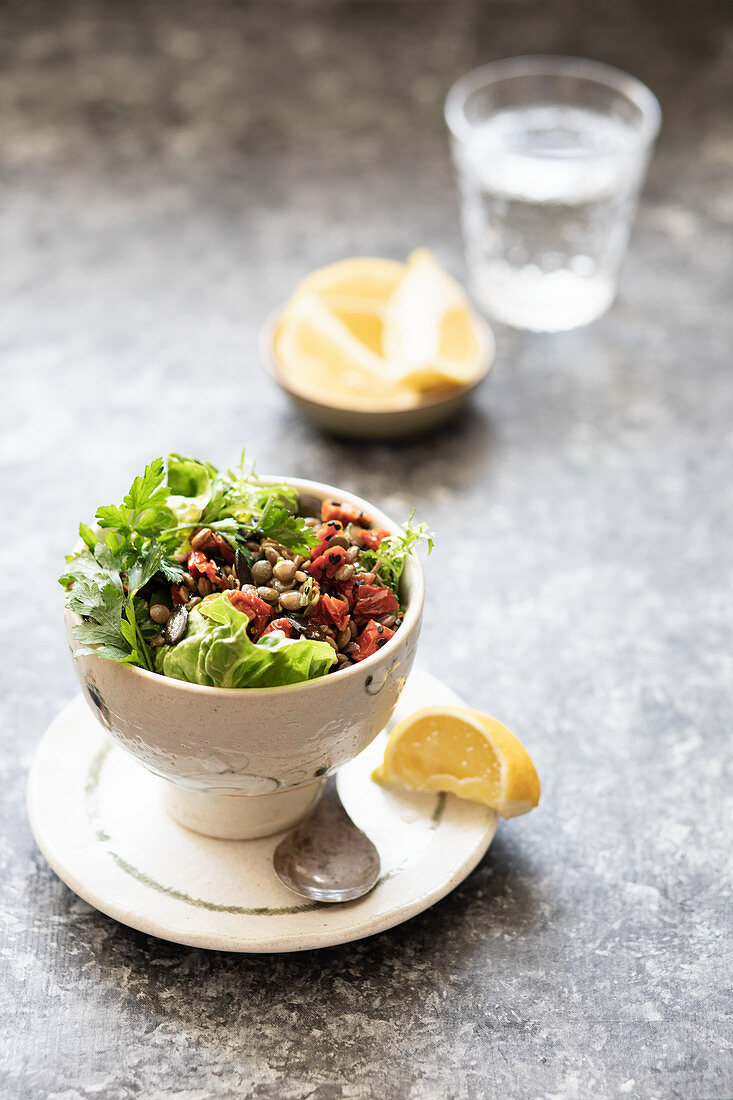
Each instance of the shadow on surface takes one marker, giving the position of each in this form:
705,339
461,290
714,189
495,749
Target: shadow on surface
497,902
449,459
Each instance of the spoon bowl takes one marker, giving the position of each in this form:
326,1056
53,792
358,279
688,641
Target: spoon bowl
327,858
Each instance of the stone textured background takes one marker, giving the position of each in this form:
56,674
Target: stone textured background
169,171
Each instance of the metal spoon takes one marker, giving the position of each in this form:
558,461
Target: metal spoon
326,857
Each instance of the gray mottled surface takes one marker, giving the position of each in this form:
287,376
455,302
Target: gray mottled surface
169,171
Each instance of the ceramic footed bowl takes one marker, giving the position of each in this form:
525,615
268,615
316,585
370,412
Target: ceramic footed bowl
246,762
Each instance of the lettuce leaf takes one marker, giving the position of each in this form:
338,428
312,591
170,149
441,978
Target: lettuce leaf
190,484
217,652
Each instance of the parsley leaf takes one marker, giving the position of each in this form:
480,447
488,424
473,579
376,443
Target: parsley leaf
143,510
277,523
144,569
105,579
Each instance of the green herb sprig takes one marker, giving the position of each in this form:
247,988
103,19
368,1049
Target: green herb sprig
120,558
390,556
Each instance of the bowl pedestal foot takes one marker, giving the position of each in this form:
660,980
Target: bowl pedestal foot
238,816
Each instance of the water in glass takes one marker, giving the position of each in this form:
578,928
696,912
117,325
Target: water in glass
549,193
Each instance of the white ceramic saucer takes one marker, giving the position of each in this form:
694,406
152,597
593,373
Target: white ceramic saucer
98,818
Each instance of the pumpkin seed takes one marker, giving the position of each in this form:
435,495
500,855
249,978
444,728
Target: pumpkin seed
242,567
175,628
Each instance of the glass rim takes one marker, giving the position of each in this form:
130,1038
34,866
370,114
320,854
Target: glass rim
598,72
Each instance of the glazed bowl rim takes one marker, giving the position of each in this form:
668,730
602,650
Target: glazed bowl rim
413,611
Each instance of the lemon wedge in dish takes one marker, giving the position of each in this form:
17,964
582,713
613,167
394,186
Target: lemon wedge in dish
374,334
431,336
323,358
466,753
363,282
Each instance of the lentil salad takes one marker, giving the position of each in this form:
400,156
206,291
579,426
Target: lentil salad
227,580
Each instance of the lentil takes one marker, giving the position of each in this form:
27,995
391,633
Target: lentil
338,540
261,572
160,614
201,539
291,601
284,571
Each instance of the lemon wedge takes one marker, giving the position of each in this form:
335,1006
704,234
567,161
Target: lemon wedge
431,336
374,334
323,359
469,754
360,283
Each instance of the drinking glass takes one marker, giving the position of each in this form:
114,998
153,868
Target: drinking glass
550,156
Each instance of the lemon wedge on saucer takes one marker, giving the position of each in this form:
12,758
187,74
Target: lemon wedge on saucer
431,336
469,754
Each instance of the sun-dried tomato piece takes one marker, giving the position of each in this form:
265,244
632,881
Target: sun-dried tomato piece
345,513
371,639
223,547
330,612
370,540
371,601
323,534
328,564
350,589
257,611
176,597
284,625
201,566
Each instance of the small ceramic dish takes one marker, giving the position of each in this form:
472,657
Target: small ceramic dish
375,424
249,762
